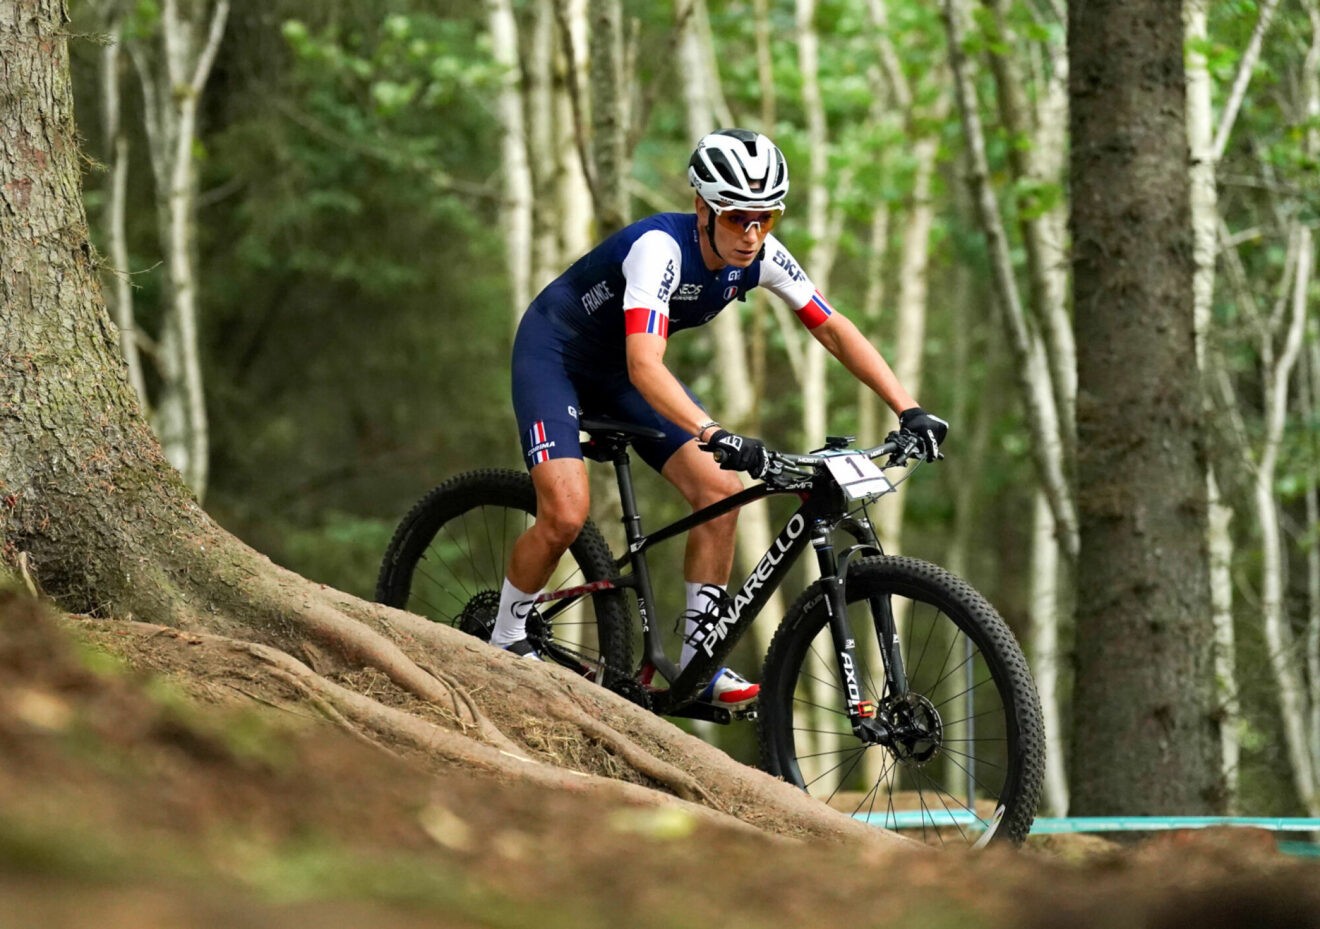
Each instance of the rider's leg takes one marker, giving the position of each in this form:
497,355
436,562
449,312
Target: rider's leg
562,505
709,555
707,563
546,405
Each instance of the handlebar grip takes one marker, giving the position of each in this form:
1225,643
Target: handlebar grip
717,453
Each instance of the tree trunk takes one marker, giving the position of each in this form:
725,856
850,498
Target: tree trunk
1038,164
812,384
1044,644
1278,630
516,204
609,115
1311,407
913,282
116,203
171,92
738,407
1146,733
543,146
1205,226
90,504
1048,445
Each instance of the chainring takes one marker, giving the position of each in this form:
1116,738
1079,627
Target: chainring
632,691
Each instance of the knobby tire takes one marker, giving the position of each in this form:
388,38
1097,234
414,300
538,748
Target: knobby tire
447,562
977,781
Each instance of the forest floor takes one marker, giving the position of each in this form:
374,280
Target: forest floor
125,803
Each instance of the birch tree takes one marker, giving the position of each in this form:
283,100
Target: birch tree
561,206
1029,358
609,115
1310,390
173,58
922,123
1042,341
811,354
707,110
1207,143
1274,326
115,213
516,202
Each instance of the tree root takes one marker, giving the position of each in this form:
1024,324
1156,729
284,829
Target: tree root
490,697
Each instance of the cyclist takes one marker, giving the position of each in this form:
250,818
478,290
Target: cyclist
594,341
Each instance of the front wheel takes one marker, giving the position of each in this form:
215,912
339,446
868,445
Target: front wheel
957,756
448,559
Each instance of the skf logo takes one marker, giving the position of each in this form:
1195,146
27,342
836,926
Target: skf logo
782,259
666,282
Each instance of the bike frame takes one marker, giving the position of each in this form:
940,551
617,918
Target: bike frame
823,509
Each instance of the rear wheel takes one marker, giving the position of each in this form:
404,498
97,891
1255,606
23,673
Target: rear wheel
957,758
448,559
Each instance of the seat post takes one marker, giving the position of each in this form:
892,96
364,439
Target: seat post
632,519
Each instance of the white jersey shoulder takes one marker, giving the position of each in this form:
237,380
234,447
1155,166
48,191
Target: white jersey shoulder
650,271
783,276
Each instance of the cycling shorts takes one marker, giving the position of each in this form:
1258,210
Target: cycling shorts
550,394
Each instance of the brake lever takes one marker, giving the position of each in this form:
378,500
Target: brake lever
908,446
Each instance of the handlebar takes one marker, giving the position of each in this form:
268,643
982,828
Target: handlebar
901,447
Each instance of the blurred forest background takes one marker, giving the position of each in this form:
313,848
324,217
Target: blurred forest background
319,222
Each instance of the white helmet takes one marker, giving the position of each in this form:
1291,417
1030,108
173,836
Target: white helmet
739,169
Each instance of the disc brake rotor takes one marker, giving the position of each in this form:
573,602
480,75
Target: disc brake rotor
916,727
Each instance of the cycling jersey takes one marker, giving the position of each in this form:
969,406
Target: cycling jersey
569,353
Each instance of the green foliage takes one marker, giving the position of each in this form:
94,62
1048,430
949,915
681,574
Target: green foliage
341,548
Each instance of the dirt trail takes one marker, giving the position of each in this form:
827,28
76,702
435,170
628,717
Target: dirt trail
124,803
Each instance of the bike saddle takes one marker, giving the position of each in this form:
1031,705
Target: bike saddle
605,428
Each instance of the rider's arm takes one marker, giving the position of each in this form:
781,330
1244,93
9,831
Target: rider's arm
782,276
651,270
650,375
843,340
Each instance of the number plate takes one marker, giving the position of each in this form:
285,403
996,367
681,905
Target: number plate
858,476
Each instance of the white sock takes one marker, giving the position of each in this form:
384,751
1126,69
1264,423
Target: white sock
511,619
701,598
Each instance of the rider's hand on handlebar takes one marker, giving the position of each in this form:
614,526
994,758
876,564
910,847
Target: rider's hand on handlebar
738,453
929,431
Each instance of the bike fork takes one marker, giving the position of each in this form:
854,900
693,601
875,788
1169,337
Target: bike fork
860,711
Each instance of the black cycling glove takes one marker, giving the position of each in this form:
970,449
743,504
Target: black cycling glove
738,452
928,429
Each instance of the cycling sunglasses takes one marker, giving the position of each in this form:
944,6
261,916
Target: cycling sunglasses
741,221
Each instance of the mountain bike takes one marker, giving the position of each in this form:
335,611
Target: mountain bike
891,688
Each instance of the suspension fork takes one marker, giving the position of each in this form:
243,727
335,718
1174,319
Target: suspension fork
882,613
858,710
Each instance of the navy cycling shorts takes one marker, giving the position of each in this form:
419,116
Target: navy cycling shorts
549,396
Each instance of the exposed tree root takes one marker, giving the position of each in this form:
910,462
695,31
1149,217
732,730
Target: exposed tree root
461,702
382,727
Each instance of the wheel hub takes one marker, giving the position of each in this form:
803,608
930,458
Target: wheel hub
915,728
